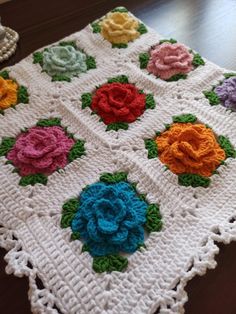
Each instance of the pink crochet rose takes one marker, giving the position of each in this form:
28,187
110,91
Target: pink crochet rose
170,59
41,150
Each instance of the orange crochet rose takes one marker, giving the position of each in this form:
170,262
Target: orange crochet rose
190,148
8,93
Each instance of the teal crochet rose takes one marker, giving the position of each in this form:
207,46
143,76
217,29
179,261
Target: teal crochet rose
110,218
64,60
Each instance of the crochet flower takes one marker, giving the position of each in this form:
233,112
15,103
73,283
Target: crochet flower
190,148
227,93
110,218
119,27
8,93
169,59
65,60
117,102
40,150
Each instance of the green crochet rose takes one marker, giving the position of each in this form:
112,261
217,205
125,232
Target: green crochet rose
64,60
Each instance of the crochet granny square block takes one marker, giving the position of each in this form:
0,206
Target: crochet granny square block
117,169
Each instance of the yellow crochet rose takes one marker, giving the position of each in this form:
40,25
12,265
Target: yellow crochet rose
119,28
8,93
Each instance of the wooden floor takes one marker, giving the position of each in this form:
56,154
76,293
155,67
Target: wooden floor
208,26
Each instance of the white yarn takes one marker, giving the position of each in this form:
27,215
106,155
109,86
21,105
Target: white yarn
193,217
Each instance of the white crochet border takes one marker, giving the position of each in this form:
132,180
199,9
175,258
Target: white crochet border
31,214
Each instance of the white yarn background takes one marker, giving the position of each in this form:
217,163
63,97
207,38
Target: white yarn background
193,217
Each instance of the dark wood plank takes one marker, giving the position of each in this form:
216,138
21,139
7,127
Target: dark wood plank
206,26
214,293
13,291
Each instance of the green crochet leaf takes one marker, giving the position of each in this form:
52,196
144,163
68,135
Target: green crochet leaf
134,186
142,29
49,122
228,75
33,179
70,135
150,101
96,27
2,112
85,248
5,74
22,95
77,150
90,62
142,245
143,60
75,236
120,46
117,126
24,130
142,197
119,79
68,43
185,118
86,100
171,41
38,57
113,177
69,210
109,263
6,145
177,77
8,162
120,9
194,180
153,218
212,97
225,144
151,147
197,60
60,77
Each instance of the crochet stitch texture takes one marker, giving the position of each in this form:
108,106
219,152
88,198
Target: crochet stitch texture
118,102
227,93
8,90
11,93
116,182
190,148
119,27
40,150
168,60
64,59
110,218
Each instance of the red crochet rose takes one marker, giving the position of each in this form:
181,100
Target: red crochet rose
117,102
41,150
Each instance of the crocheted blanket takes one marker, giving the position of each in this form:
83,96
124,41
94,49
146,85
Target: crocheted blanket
117,169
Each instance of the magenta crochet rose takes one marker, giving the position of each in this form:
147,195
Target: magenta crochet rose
169,59
41,150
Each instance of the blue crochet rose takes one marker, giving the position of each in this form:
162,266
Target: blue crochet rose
64,60
110,218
